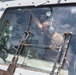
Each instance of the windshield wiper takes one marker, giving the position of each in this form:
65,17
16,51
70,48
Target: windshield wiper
62,54
11,68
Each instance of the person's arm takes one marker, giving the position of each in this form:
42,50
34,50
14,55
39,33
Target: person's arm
36,21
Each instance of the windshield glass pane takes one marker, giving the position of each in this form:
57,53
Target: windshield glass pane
39,34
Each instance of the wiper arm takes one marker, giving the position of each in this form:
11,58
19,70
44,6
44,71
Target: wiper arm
61,56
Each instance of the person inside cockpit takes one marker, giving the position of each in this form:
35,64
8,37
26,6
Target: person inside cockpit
56,39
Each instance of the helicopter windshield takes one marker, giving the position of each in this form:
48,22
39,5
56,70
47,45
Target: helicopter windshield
45,27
